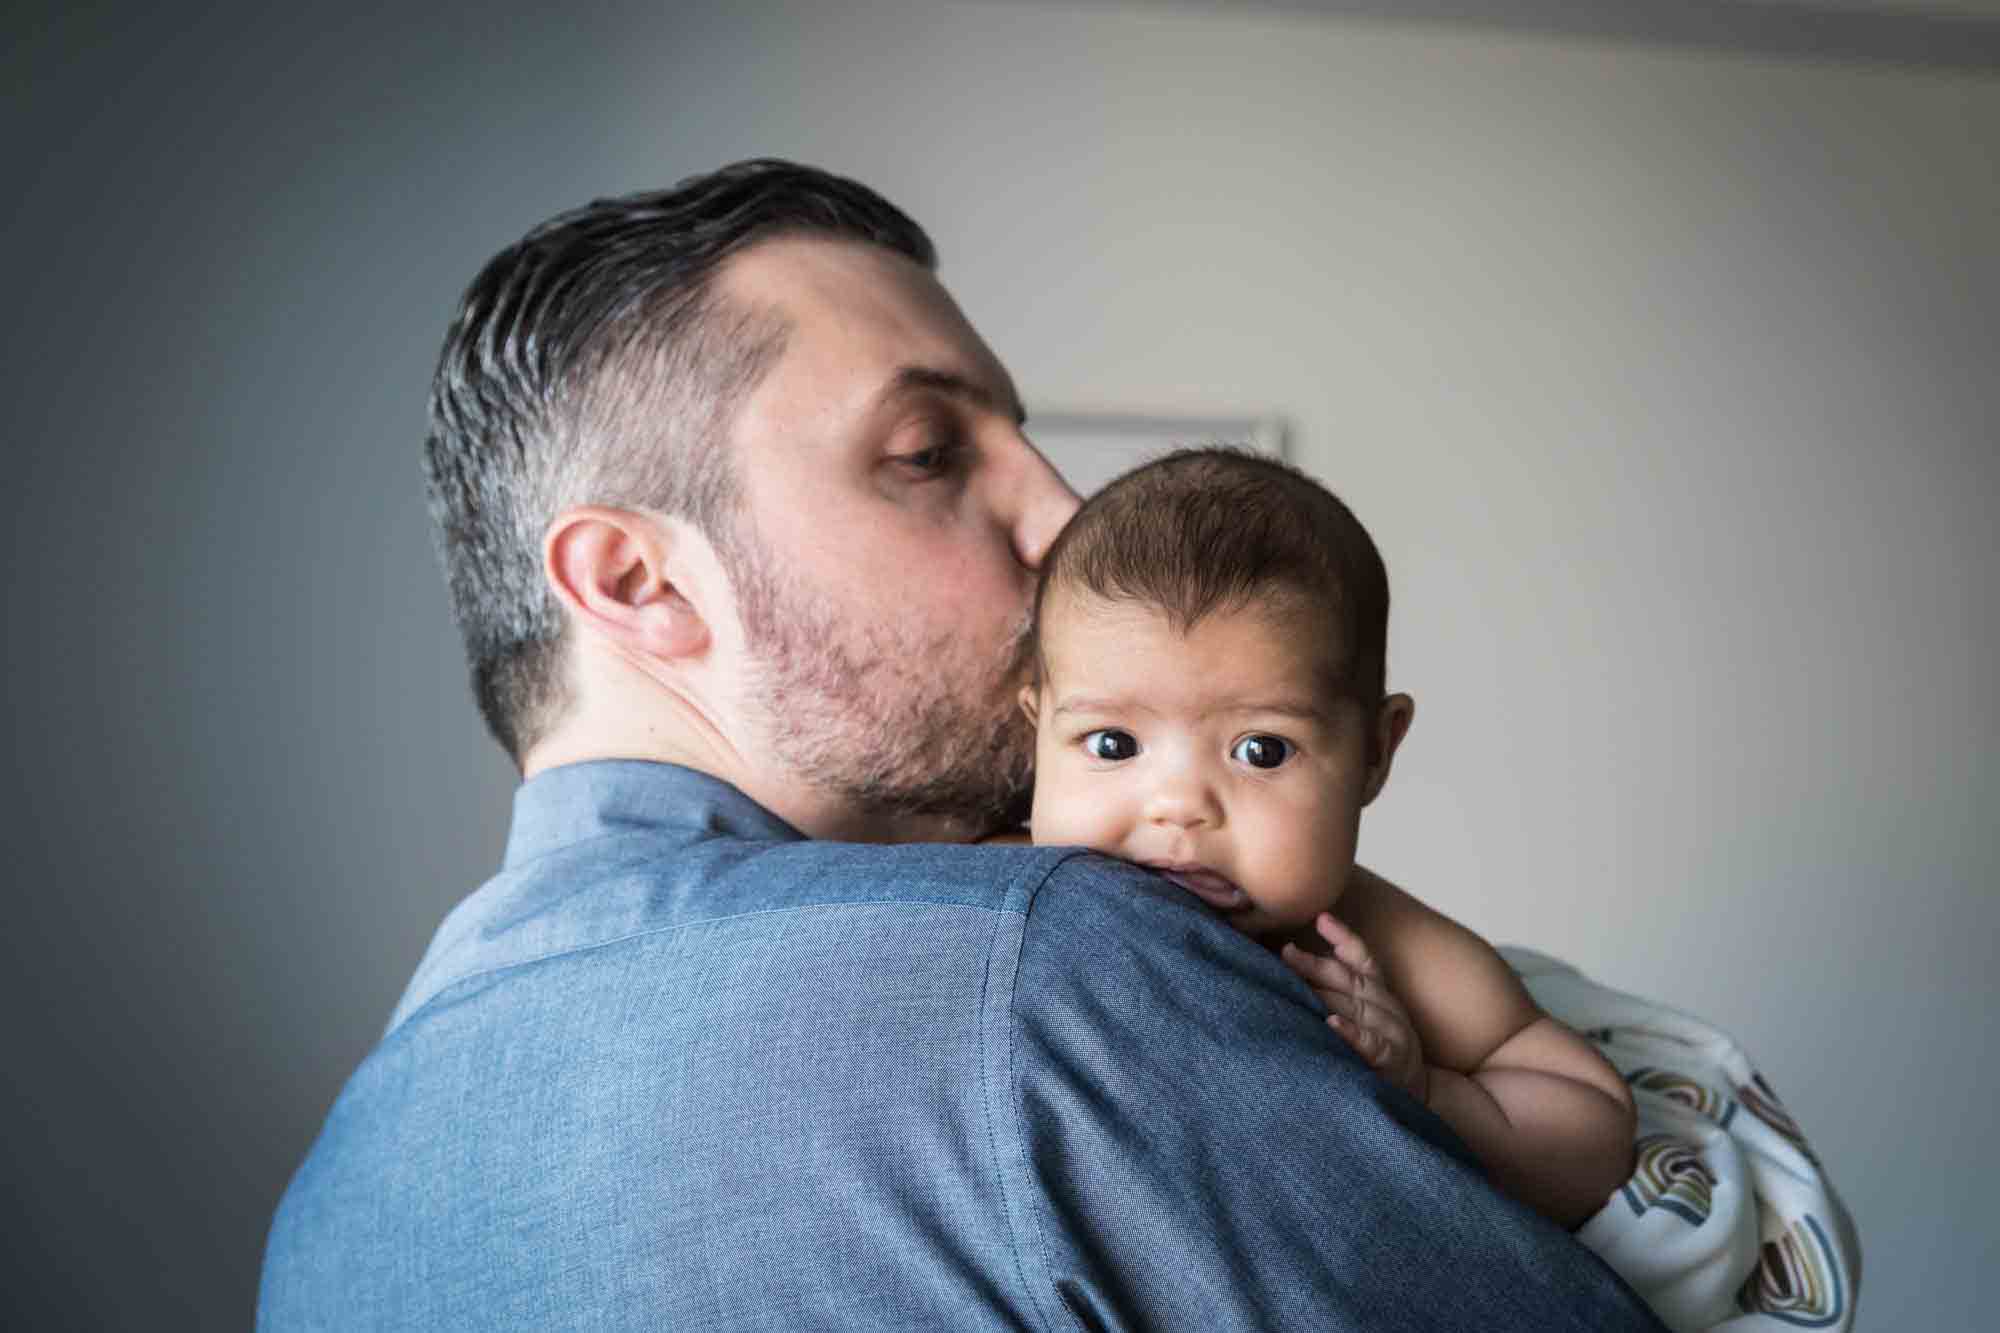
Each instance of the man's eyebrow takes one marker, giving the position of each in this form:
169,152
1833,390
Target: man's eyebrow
912,379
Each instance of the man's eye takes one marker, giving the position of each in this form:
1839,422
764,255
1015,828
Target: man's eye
933,460
1261,751
1110,743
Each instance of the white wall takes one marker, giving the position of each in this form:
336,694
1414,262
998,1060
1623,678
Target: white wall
1663,379
1666,383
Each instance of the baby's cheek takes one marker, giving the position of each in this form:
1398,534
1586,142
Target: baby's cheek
1307,859
1062,815
1046,823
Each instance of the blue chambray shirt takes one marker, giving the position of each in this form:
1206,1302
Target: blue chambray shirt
678,1067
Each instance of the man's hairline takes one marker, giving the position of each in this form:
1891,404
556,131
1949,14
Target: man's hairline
726,530
732,531
906,377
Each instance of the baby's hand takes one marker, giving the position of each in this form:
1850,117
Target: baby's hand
1361,1007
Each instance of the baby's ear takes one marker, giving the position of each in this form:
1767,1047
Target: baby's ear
1031,703
1391,723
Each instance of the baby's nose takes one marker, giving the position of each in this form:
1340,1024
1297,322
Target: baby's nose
1184,802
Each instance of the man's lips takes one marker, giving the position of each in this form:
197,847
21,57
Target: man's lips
1213,889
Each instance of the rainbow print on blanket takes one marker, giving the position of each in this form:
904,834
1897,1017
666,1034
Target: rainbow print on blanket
1728,1222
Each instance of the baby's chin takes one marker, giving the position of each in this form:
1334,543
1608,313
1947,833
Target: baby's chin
1275,929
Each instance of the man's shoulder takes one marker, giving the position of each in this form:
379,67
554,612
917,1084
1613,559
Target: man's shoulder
1195,1147
624,887
1002,877
675,882
1126,916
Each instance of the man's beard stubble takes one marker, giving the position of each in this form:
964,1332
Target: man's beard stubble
859,711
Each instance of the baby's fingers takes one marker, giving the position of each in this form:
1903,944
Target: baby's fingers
1347,946
1367,1043
1318,971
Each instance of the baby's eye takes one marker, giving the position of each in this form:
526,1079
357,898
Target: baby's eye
1262,751
1110,743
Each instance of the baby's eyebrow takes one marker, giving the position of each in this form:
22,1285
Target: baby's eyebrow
1308,712
1305,711
1090,703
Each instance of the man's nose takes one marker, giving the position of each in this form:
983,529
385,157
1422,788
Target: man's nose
1044,503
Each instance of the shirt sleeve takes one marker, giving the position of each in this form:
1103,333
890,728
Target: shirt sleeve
1192,1146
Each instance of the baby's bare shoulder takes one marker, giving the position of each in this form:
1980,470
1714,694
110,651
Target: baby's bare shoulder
1462,996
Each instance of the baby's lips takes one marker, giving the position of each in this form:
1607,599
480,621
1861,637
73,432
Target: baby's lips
1215,890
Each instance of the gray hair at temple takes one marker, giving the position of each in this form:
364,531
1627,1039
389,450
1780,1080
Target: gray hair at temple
594,362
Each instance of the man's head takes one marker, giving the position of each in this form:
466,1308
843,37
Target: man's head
724,477
1209,698
593,362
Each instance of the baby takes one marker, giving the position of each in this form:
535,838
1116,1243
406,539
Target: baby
1210,703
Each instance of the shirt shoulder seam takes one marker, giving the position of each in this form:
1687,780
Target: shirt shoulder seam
1032,885
577,950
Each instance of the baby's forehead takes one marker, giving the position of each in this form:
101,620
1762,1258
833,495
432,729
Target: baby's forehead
1294,639
1278,612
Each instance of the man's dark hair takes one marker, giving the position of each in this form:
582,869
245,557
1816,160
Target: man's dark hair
1217,529
593,362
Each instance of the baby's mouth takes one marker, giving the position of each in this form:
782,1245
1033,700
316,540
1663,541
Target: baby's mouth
1216,890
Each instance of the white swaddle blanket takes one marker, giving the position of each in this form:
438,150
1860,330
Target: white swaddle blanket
1728,1222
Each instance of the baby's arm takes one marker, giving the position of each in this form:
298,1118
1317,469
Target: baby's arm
1548,1115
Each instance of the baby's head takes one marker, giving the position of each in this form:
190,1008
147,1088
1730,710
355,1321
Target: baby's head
1210,634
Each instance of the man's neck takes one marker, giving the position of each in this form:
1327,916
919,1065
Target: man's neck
811,810
619,710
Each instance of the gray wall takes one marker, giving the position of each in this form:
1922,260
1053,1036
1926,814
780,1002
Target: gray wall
1662,373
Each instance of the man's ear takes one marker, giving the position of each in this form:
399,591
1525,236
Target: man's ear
613,571
1031,703
1391,723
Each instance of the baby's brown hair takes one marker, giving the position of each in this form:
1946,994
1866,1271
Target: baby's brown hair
1217,529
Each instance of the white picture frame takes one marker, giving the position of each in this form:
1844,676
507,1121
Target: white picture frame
1090,448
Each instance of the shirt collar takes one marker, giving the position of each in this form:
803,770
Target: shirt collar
577,802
